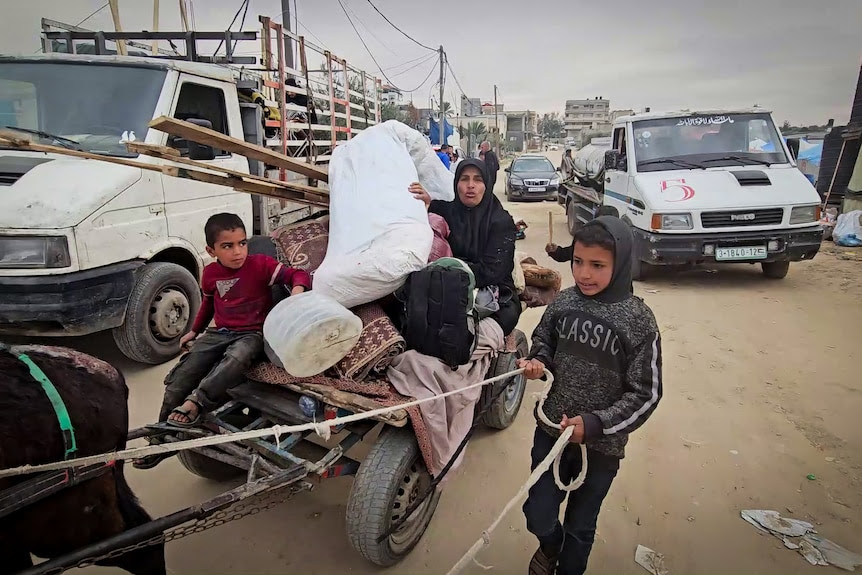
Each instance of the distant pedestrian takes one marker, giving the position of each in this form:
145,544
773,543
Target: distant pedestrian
456,159
492,164
443,154
482,156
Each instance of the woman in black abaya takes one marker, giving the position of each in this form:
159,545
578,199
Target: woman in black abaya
482,234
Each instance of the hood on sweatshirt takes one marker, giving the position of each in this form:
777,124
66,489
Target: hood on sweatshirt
620,288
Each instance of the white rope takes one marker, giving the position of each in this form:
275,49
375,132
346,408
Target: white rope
551,459
320,427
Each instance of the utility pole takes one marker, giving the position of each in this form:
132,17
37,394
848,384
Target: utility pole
497,122
442,118
288,45
184,15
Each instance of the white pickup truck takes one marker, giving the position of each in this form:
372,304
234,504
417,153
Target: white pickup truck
86,245
703,186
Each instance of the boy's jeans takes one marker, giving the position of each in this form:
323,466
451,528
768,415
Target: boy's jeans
573,540
217,362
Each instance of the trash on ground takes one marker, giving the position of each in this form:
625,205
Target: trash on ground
802,537
650,560
811,477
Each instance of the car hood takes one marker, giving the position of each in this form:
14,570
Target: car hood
685,190
46,191
535,175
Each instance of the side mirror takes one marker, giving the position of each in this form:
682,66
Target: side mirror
614,161
509,170
201,152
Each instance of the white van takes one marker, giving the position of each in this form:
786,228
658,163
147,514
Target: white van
705,186
87,245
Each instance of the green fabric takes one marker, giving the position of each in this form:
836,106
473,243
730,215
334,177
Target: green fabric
57,402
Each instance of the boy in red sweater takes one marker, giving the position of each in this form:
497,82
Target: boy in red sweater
237,291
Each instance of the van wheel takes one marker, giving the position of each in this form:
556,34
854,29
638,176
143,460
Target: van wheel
572,220
775,270
161,307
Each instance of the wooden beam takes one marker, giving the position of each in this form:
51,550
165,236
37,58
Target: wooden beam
173,155
272,188
15,141
242,185
350,401
115,14
221,141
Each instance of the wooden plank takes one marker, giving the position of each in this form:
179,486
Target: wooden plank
159,151
221,141
15,141
250,187
162,153
273,188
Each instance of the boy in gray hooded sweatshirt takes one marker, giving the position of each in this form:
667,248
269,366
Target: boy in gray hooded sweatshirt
603,346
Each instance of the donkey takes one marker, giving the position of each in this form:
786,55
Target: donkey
95,395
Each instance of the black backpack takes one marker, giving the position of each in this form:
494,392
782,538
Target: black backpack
438,315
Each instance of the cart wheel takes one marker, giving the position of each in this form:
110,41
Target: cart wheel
208,468
389,479
505,408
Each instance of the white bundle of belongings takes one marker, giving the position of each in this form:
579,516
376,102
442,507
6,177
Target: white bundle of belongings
378,232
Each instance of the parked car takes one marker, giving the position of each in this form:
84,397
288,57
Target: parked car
532,177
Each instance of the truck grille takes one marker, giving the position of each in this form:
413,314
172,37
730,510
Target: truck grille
735,218
537,182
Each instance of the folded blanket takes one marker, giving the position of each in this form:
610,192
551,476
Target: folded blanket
378,345
302,245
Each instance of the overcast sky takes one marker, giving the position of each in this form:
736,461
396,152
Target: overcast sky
799,58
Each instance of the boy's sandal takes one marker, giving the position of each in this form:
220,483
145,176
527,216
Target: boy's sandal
185,413
150,461
542,564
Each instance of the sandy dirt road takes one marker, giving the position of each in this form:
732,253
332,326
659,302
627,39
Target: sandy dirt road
761,387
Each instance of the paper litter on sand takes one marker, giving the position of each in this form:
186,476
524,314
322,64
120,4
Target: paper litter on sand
802,537
650,560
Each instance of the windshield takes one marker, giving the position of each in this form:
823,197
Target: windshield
92,105
708,141
532,165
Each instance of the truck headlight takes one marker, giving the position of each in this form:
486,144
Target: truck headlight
34,252
671,222
555,181
804,214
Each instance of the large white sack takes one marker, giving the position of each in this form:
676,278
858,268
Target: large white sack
378,232
848,224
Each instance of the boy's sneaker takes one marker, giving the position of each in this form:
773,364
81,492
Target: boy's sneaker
543,562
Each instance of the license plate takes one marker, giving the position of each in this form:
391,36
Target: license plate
741,253
535,189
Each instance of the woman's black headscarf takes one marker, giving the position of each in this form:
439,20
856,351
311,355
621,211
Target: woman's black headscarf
470,227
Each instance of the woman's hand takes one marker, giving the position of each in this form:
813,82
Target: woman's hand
533,368
420,194
578,423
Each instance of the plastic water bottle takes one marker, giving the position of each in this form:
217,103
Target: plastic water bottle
309,406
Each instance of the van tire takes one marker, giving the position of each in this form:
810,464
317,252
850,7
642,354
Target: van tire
775,270
572,221
158,283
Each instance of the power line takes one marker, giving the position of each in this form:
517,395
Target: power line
105,5
399,29
367,49
370,31
451,71
427,59
243,4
